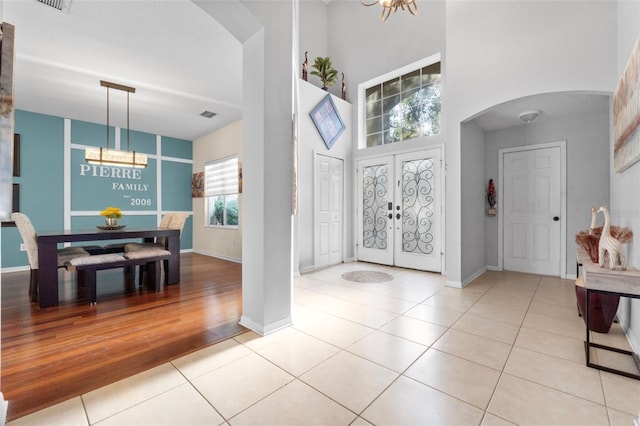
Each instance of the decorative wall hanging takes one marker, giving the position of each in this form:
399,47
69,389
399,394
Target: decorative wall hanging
16,154
197,185
327,120
626,114
344,89
305,67
491,198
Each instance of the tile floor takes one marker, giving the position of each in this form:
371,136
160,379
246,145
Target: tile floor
507,349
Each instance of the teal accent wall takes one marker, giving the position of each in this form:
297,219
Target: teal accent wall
84,133
138,141
93,188
97,187
178,148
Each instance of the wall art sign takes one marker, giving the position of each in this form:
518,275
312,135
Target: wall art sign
626,114
197,185
327,120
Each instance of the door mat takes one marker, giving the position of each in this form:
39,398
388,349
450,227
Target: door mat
367,276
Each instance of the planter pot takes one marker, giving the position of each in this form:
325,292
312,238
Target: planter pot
602,308
111,221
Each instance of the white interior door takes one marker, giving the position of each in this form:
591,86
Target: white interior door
329,184
399,210
532,210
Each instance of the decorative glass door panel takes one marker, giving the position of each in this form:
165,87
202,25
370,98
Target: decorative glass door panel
374,206
417,206
375,197
417,215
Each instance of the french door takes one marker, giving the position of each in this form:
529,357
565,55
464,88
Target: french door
399,210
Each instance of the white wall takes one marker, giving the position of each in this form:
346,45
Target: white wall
625,198
225,243
313,36
266,31
309,141
473,192
499,51
364,48
587,168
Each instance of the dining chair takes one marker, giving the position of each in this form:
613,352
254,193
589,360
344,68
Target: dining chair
28,234
160,242
168,221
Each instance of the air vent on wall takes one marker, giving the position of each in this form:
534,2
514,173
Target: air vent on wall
208,114
61,5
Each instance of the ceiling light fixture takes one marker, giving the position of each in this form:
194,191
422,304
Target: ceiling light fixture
529,116
111,157
390,6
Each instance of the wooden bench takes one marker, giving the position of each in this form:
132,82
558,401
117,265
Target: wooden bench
87,268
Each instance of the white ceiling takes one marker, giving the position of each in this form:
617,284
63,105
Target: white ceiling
552,105
179,59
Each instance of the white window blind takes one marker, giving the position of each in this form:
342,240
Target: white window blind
221,177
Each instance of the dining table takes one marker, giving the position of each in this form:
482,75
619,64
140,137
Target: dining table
48,258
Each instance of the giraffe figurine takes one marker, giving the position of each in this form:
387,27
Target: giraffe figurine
610,245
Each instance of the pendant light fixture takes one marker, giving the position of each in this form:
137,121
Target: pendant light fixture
112,157
389,6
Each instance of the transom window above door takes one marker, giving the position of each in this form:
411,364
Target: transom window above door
402,105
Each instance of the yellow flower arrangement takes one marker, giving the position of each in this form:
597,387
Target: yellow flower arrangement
111,212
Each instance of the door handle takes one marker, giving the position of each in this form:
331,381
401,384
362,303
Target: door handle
390,215
556,218
398,216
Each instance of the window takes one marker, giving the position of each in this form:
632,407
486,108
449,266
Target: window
221,192
404,107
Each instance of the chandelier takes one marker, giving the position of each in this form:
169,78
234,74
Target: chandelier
389,6
112,157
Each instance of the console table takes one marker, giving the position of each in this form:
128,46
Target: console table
606,281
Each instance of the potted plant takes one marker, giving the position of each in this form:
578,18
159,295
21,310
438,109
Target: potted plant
324,69
111,216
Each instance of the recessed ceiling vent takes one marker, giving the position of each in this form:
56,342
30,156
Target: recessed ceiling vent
61,5
208,114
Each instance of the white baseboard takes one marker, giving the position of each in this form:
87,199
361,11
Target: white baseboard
454,284
218,256
15,269
4,406
493,268
633,342
474,276
307,269
263,330
571,277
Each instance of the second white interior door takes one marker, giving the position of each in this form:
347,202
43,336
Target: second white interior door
532,211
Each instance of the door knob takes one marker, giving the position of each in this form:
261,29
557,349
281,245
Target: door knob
398,216
556,218
390,215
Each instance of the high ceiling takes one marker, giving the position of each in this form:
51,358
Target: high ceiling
179,59
553,106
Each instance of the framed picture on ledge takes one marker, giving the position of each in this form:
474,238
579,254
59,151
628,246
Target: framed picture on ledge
327,120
